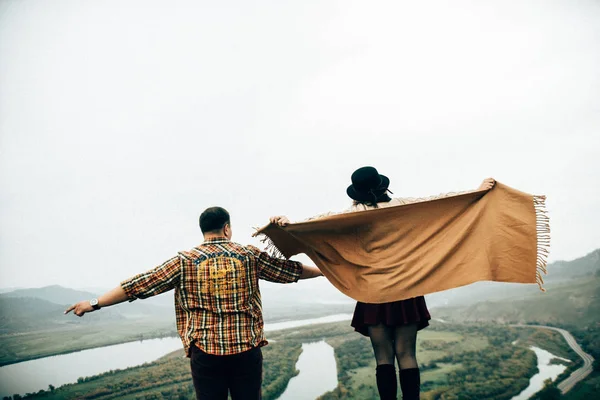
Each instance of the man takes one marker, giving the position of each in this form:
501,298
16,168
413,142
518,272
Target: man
217,305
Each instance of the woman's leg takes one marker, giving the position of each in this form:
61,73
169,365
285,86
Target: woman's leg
383,348
382,340
405,345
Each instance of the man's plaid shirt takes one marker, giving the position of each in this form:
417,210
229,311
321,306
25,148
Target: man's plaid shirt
217,298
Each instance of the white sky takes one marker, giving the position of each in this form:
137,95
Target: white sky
120,121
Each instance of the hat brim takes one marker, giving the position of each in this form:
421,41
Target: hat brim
362,196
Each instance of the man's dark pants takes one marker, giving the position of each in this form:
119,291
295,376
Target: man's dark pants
214,376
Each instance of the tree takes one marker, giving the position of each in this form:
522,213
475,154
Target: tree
549,392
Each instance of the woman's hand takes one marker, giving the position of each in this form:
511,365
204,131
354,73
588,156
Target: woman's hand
280,220
487,184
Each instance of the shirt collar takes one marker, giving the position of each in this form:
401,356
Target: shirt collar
221,239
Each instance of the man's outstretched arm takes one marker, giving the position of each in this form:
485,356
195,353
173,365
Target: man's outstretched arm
279,270
310,272
112,297
156,281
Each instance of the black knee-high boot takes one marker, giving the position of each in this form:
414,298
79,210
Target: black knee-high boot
386,381
410,383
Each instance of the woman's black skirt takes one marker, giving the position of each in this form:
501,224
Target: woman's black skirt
396,313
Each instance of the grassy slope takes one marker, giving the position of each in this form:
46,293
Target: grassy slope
356,366
359,376
574,302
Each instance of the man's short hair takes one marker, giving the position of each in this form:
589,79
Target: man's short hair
213,219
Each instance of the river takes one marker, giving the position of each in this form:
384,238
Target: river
546,371
31,376
318,373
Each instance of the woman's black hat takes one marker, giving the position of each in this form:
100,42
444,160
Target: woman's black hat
367,184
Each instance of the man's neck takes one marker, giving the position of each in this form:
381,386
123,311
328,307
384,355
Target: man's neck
210,236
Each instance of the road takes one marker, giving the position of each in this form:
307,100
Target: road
577,375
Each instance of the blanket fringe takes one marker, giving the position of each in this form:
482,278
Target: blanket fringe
543,239
270,247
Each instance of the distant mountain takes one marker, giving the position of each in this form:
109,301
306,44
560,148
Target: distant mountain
53,294
576,302
9,289
586,265
23,309
162,300
572,297
18,314
66,296
22,314
559,272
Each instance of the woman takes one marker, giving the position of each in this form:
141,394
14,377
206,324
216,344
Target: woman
392,327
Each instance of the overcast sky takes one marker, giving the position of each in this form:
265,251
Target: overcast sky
120,121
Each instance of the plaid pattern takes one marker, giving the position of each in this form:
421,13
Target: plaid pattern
217,299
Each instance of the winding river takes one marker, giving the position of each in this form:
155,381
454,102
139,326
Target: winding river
318,373
546,371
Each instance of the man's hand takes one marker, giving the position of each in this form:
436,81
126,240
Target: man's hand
114,296
280,220
487,184
80,308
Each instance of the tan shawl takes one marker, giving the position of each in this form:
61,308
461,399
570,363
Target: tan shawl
400,252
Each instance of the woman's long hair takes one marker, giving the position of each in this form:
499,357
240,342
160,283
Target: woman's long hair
382,198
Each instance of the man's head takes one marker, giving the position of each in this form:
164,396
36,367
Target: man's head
214,221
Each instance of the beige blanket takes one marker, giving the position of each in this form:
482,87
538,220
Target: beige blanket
400,252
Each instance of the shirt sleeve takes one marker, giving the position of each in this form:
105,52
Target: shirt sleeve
276,269
156,281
